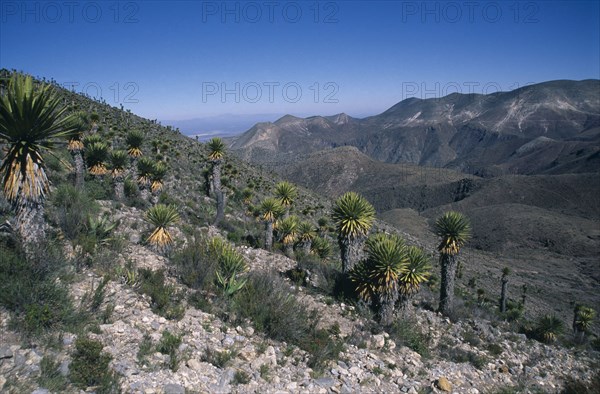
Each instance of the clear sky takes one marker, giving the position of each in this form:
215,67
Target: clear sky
188,59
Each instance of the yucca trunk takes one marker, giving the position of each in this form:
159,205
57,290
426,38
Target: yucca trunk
306,247
386,307
449,263
119,188
503,294
350,251
288,250
79,169
30,225
268,235
216,175
405,306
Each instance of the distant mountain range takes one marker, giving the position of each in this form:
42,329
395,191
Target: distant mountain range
547,128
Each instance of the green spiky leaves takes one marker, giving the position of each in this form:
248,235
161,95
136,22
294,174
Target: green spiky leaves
271,209
230,264
286,193
288,230
161,216
353,215
95,156
416,272
134,141
454,229
159,170
584,317
118,162
306,232
145,167
31,120
390,266
216,149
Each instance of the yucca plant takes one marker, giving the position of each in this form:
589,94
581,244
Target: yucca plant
158,175
321,247
353,216
92,139
306,234
145,167
503,290
247,196
416,272
230,264
288,233
286,193
96,155
101,229
216,154
376,278
582,322
161,216
32,119
270,210
76,146
548,328
134,141
118,165
454,230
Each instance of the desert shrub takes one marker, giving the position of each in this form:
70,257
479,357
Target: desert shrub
169,343
98,189
267,301
165,300
241,377
407,332
89,367
575,386
31,292
459,355
326,276
218,359
195,265
145,349
70,209
50,376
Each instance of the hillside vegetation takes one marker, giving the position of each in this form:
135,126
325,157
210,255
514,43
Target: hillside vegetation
133,281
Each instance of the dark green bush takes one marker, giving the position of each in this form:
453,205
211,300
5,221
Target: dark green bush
267,301
31,291
407,333
89,367
50,376
195,265
169,343
165,301
70,209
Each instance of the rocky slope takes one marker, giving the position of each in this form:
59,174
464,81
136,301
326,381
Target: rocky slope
470,356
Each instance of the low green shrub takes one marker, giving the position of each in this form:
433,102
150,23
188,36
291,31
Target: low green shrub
89,367
407,332
31,291
165,300
169,344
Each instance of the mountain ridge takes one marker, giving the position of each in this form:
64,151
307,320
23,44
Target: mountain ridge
478,134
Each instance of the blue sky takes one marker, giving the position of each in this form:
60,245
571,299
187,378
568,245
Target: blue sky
191,59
